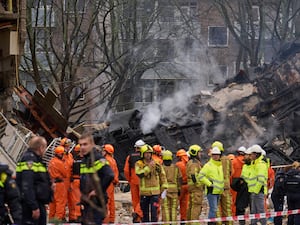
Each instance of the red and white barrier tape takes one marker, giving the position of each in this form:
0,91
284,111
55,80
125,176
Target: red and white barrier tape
228,218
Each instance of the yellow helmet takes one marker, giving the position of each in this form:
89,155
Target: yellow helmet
167,155
219,145
194,149
145,148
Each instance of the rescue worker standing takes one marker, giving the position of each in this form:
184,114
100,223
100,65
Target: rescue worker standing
195,188
212,176
257,184
58,174
134,181
75,186
174,179
34,183
108,151
184,193
157,149
96,176
9,194
225,197
152,183
237,166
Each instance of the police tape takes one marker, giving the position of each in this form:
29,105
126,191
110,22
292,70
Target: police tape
218,219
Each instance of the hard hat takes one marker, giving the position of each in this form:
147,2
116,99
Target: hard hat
167,155
215,151
59,150
139,143
181,152
248,151
77,148
218,144
256,149
194,149
242,149
157,148
263,152
109,148
231,156
65,142
146,148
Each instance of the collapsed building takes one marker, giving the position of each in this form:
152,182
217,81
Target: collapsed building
243,111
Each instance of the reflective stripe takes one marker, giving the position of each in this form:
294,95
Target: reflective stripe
35,167
96,166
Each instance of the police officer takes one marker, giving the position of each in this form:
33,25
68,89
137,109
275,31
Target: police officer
34,182
96,176
9,194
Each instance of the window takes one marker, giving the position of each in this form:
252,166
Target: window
44,60
145,91
217,36
75,6
255,14
42,39
42,17
166,88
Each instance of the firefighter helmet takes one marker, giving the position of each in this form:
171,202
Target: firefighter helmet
139,143
59,150
219,145
146,148
167,155
77,148
109,148
65,142
157,149
194,149
181,152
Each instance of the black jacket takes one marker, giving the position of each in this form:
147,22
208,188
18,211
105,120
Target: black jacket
243,197
9,194
33,180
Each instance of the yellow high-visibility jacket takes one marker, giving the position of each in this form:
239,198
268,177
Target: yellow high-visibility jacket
258,176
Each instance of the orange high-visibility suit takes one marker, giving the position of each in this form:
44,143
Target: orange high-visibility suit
157,158
134,181
270,184
237,166
68,158
58,173
184,193
111,210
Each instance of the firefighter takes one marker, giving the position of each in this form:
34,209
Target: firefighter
225,197
134,181
195,188
34,182
68,160
95,177
75,213
10,195
157,149
257,184
237,165
108,151
184,193
58,173
211,175
174,179
153,182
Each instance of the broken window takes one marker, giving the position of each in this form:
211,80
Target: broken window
217,36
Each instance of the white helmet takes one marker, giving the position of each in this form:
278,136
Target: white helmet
248,151
242,149
263,152
139,143
256,149
215,151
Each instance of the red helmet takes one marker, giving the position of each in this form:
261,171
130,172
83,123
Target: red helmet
59,150
77,148
109,148
181,152
157,148
65,142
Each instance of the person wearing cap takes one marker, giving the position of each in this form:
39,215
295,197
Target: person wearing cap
257,184
182,159
174,179
134,181
107,152
237,165
225,197
211,175
58,174
153,183
195,188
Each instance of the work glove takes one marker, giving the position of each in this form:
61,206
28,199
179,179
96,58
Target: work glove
164,194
